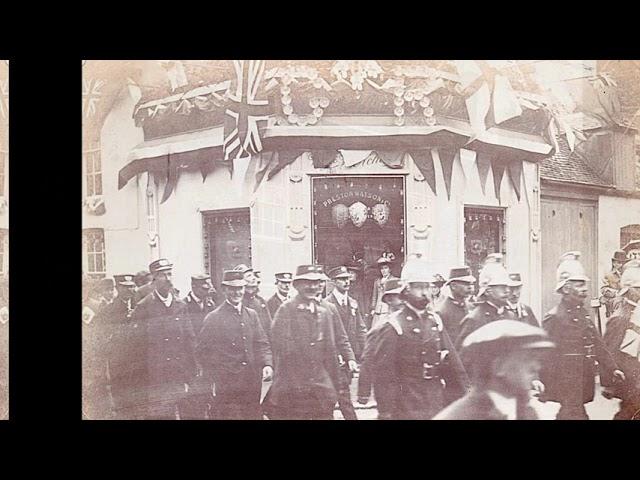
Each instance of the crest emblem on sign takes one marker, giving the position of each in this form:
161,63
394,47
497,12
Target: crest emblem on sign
380,212
340,214
358,214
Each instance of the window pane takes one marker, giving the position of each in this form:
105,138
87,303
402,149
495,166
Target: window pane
92,264
99,263
90,189
89,162
97,164
98,184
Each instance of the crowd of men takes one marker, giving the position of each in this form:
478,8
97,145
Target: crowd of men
429,347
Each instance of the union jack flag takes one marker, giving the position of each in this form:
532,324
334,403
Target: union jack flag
244,111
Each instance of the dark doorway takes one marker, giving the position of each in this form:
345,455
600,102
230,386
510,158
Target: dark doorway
227,241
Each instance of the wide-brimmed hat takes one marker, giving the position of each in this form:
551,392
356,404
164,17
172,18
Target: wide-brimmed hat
339,272
460,274
392,287
233,278
310,272
124,280
160,265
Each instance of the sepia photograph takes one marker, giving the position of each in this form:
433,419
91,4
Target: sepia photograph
356,240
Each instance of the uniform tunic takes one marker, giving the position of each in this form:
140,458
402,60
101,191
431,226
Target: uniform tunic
166,360
483,313
273,304
259,304
197,311
410,367
305,382
523,313
619,339
233,349
452,312
569,372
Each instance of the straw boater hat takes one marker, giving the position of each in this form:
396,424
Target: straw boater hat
516,279
570,268
160,265
460,274
233,278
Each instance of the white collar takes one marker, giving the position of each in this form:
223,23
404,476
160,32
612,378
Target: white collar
167,301
498,309
505,405
281,297
341,297
238,308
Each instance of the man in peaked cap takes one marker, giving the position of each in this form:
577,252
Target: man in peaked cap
505,357
353,324
306,378
611,281
165,365
569,374
200,303
413,359
252,299
492,301
235,353
455,306
521,311
283,285
622,338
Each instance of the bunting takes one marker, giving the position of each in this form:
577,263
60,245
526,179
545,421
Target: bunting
446,160
515,174
392,158
424,161
498,167
483,163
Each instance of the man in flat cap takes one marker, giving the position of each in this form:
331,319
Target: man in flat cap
491,305
569,374
283,285
521,311
455,306
200,303
235,354
611,281
166,365
505,357
622,338
123,339
306,378
252,299
414,361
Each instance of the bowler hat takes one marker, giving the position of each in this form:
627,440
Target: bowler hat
340,272
460,274
233,278
124,280
392,287
310,272
160,265
619,256
284,277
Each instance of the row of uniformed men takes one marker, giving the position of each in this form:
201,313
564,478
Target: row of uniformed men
409,357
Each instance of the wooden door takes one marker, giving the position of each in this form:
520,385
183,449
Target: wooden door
567,225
